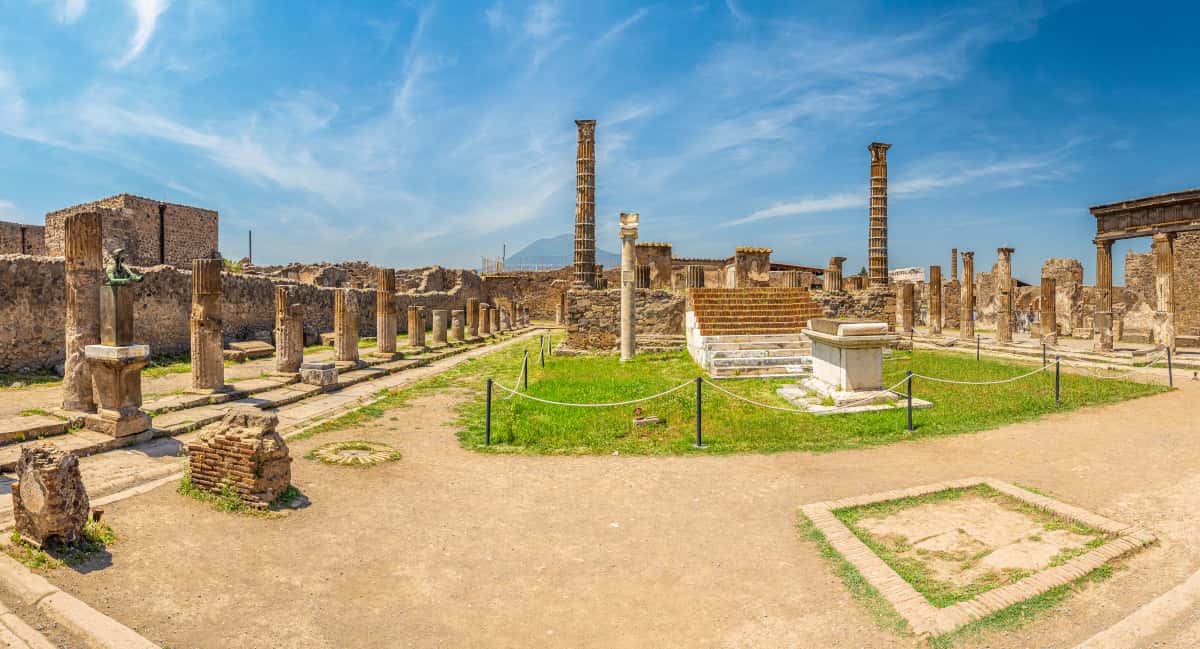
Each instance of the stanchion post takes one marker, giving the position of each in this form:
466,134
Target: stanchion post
699,413
1043,353
525,369
1170,369
487,417
1057,379
908,375
977,337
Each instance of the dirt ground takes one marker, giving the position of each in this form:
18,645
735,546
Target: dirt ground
450,548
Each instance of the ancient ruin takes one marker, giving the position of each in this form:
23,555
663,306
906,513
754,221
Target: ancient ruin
628,234
877,254
473,318
84,274
208,361
50,503
966,325
1048,323
457,331
386,315
585,205
1004,295
440,326
345,326
289,332
242,453
935,300
116,363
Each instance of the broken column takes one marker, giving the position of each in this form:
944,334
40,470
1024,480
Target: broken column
416,328
456,325
473,317
494,314
695,276
966,321
585,205
386,315
243,453
1004,294
50,503
793,279
877,252
485,320
440,323
1163,249
1049,311
905,305
1103,318
935,300
208,358
289,332
628,234
560,309
84,272
345,326
833,274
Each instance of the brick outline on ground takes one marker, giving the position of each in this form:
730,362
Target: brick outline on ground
926,619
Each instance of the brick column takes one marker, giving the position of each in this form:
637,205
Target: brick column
84,273
1004,295
473,317
1049,312
345,325
966,322
935,300
877,252
1164,270
1103,317
954,264
387,317
208,360
289,332
585,205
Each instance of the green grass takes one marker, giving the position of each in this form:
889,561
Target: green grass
30,379
96,538
896,551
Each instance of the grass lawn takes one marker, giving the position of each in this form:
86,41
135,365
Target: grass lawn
730,426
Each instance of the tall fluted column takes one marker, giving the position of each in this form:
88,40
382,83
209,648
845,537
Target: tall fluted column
84,273
473,317
345,325
1004,295
966,322
694,277
877,253
628,233
585,205
289,332
935,300
954,264
208,361
1049,311
1103,318
1164,270
387,317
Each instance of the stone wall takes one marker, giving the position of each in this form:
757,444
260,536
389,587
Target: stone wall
873,303
594,317
152,232
539,291
22,239
1186,284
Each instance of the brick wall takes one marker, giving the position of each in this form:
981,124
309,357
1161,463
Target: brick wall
873,303
22,239
150,231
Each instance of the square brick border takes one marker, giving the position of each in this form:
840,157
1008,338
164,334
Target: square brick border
926,619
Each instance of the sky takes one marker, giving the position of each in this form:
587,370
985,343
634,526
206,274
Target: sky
414,133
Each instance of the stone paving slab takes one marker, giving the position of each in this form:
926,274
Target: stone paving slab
924,618
19,429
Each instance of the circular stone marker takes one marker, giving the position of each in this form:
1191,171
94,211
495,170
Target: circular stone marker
354,453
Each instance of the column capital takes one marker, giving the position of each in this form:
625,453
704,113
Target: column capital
878,151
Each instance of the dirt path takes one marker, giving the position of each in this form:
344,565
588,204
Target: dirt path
450,548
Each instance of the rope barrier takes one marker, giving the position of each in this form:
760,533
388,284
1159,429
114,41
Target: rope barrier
513,392
520,376
797,410
1009,380
1124,372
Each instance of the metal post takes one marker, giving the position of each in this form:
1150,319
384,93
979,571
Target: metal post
525,369
542,352
977,337
699,409
1043,353
908,376
487,418
1057,379
1170,369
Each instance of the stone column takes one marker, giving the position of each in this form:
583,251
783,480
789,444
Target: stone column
84,273
289,332
440,320
793,279
414,326
386,315
643,276
1103,318
1004,295
935,300
456,325
585,205
877,252
628,234
485,320
954,264
473,317
345,325
695,276
208,360
905,304
494,314
966,322
1049,311
833,274
1163,249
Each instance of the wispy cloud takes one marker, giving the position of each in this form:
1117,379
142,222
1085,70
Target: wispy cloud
68,11
736,11
619,28
147,13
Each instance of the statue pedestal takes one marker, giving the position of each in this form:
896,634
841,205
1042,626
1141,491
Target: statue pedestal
848,360
117,377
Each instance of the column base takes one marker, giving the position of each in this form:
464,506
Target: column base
116,424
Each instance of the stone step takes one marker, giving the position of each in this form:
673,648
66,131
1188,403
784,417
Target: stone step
27,427
788,352
757,345
802,361
759,338
253,349
765,372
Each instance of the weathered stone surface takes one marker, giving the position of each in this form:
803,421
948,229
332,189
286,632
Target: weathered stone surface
485,320
935,300
628,234
440,318
289,332
585,205
1004,295
457,331
323,374
117,378
84,262
50,502
345,326
150,231
208,362
473,317
877,250
386,315
593,317
242,452
1048,322
966,324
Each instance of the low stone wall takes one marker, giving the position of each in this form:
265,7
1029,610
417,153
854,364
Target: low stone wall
594,317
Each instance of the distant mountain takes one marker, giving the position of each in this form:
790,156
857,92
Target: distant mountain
556,252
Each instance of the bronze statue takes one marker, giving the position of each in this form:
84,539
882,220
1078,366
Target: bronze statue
117,274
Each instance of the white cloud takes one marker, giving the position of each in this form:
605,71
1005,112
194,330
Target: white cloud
69,11
617,29
147,13
736,11
804,206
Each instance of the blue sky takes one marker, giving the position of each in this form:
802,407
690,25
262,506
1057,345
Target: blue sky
410,133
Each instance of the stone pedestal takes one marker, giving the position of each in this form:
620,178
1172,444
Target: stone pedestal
243,453
440,318
386,315
322,374
117,376
50,503
289,332
345,326
473,318
848,355
456,325
208,359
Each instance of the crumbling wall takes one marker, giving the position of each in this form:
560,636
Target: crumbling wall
22,239
872,303
594,317
1186,286
150,231
539,291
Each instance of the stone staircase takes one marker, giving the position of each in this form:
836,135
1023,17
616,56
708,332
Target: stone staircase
752,332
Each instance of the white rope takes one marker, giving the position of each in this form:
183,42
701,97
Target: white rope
1015,378
1124,372
797,410
524,364
513,392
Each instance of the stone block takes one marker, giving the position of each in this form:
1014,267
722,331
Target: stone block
253,348
49,499
323,374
